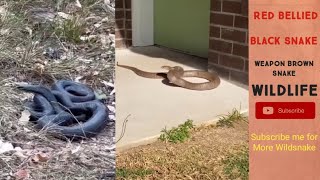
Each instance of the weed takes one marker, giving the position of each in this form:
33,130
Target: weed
236,166
177,134
87,3
231,118
133,173
70,30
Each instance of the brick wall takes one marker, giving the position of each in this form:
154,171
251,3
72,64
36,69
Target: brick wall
123,24
228,47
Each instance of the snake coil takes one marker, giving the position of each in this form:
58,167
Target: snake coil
69,109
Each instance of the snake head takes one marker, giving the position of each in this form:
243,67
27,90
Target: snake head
166,67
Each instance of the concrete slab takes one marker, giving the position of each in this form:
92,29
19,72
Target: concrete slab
153,105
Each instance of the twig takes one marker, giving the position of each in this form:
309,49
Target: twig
123,130
26,160
66,108
6,164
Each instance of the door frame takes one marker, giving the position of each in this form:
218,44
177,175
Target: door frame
142,22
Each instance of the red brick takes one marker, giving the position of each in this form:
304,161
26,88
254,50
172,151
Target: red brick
119,14
213,57
220,45
244,7
129,34
221,19
215,31
128,14
222,72
231,7
241,77
241,22
240,50
119,4
234,35
231,62
128,4
246,66
120,44
215,5
128,24
119,24
129,43
120,34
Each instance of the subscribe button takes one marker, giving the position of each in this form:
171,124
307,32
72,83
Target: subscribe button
285,110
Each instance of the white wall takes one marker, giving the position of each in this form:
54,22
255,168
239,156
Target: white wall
142,23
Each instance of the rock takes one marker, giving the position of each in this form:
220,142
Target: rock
64,15
53,53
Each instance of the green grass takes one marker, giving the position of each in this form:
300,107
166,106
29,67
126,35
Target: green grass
133,173
236,166
86,3
231,118
71,30
177,134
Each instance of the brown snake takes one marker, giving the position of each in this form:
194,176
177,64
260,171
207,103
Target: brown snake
176,74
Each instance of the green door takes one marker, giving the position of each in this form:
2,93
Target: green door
182,25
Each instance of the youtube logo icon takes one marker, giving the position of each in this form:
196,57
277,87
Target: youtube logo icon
285,110
267,110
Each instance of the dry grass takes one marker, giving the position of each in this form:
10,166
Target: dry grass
200,157
23,39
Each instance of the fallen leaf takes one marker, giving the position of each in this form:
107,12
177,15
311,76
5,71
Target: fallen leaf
25,116
20,155
64,15
104,39
5,147
113,91
95,73
101,96
21,83
88,38
78,78
97,25
26,129
3,10
29,31
112,37
112,117
108,84
106,19
107,2
40,157
112,109
75,150
4,31
39,68
78,4
21,174
18,149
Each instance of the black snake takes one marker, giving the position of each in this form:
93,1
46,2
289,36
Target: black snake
68,108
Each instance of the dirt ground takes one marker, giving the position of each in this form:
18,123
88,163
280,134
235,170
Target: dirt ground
200,157
42,41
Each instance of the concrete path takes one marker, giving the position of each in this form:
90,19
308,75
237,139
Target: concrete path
153,106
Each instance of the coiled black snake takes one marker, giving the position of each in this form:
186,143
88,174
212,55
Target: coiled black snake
69,109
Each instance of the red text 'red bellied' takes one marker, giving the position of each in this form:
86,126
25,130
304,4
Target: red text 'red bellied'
285,15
